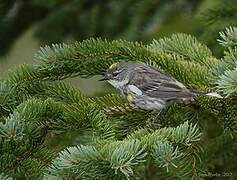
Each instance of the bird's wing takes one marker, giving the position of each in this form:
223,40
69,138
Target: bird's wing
157,84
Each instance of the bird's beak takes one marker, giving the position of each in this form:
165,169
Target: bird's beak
103,79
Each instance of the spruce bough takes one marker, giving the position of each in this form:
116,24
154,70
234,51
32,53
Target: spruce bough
110,138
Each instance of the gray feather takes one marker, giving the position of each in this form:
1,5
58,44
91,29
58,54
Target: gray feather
157,84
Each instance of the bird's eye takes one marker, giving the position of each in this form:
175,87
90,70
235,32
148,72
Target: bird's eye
115,73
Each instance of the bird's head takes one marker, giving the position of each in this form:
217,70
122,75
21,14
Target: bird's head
117,72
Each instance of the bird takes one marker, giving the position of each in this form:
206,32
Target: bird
148,87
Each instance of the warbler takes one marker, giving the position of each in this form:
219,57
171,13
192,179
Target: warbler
148,87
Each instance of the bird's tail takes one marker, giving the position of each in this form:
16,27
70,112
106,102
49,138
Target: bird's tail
212,94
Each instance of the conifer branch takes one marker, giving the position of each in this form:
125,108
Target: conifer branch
187,46
225,72
92,57
119,159
229,37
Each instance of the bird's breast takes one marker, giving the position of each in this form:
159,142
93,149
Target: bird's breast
118,84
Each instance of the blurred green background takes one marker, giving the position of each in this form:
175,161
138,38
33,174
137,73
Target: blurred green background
25,25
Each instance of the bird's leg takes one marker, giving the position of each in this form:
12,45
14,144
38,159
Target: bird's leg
162,113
